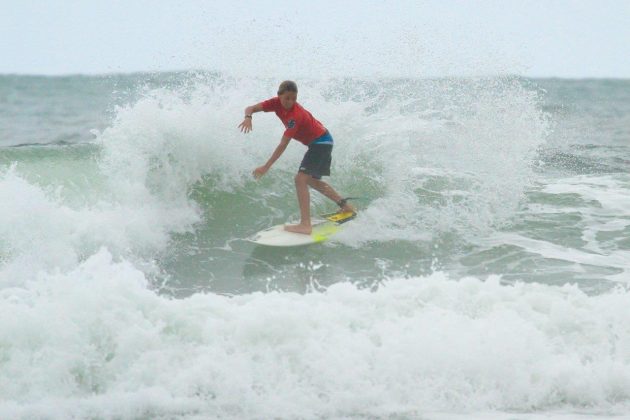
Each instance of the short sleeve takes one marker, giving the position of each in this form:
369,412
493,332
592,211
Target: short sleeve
271,104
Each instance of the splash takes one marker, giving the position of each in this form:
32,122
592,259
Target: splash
431,155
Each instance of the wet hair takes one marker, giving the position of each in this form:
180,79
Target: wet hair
287,86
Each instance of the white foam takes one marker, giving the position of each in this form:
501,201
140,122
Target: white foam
546,249
602,207
612,192
94,341
39,231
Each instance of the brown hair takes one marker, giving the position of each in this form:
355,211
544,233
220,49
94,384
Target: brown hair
287,86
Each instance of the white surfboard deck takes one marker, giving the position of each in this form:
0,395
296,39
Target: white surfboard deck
322,230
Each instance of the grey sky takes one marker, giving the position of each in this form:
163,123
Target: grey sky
324,38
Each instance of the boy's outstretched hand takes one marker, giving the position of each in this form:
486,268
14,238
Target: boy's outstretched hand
260,171
246,125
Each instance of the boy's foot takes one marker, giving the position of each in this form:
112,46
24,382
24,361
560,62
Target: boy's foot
306,230
347,208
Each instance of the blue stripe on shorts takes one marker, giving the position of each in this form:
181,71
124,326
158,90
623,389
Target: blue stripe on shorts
326,138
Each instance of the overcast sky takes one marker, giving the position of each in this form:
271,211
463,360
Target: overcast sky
562,38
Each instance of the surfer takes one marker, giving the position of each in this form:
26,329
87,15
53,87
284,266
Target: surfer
303,127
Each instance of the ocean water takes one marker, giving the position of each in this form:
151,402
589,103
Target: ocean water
487,274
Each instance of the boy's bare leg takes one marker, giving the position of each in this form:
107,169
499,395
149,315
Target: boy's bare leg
329,192
304,200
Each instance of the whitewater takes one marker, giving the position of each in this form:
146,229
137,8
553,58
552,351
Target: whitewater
485,276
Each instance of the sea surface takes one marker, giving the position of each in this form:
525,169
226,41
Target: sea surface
487,274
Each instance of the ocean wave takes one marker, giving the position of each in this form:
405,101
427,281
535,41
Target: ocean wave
96,339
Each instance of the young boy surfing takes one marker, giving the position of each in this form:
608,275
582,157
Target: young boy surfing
303,127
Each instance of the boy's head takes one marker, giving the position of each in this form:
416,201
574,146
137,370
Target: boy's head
287,92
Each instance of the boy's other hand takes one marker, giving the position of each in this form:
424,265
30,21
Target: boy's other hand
260,171
246,125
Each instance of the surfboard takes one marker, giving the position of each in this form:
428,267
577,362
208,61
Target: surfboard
323,228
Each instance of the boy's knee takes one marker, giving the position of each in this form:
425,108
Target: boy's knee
301,178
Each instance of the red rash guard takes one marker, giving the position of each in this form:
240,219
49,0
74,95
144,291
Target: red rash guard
300,124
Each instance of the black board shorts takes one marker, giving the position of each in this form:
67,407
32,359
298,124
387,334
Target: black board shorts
316,161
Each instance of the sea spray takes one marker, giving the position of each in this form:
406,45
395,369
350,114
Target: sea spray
456,163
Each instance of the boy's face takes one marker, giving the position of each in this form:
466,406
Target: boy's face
287,99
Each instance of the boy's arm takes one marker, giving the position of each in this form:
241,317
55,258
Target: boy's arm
260,171
254,108
246,125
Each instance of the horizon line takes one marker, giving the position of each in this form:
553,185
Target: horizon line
176,71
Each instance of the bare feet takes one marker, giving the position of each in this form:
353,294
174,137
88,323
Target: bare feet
348,208
304,229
